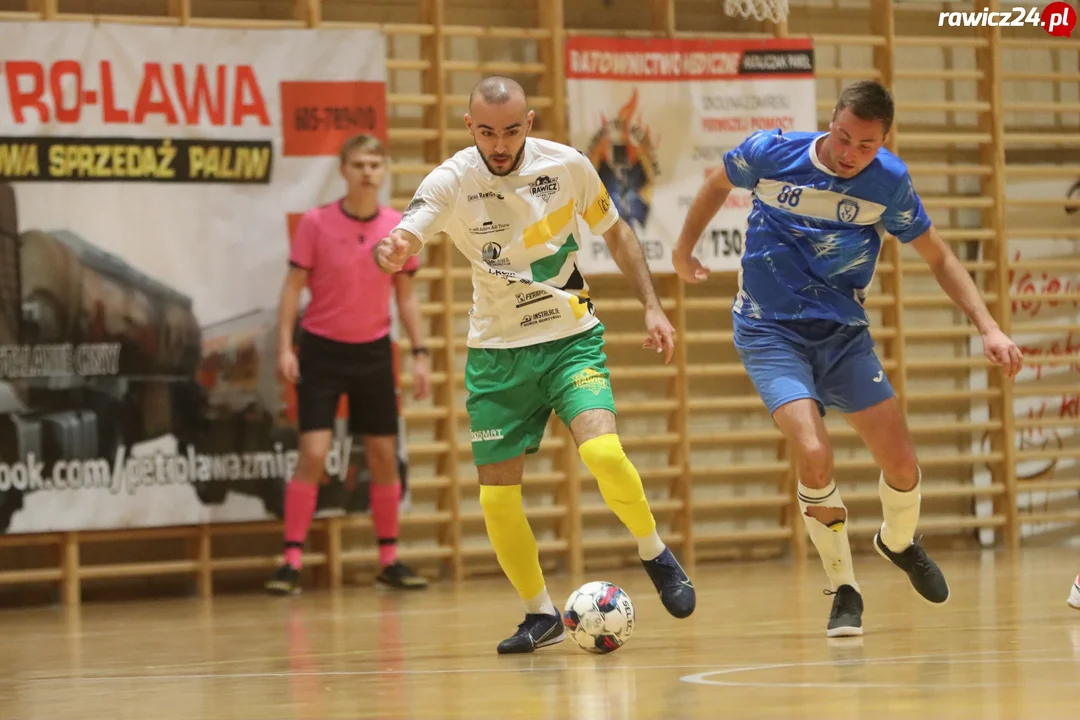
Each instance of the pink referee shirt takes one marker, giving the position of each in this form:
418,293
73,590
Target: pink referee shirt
350,295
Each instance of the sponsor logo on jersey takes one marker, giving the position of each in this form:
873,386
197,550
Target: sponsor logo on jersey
486,196
510,276
541,317
489,228
413,207
530,298
487,435
491,253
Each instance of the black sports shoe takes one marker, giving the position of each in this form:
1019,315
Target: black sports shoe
926,577
845,620
401,577
676,591
538,630
286,581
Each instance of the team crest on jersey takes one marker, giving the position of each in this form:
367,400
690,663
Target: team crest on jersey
624,155
847,210
544,187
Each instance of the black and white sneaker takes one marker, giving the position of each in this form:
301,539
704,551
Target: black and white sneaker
845,620
401,577
925,576
671,582
1074,594
285,581
538,630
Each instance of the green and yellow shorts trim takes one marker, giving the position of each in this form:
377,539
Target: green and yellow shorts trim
512,391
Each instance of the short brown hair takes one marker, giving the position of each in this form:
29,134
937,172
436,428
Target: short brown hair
867,100
364,143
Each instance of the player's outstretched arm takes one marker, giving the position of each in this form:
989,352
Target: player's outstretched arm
958,285
630,257
708,201
393,251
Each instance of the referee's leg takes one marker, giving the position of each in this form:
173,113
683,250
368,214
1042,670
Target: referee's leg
317,401
373,414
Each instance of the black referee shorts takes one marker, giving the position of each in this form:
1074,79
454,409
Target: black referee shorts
362,371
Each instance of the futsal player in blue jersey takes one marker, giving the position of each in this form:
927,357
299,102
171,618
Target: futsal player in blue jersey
822,202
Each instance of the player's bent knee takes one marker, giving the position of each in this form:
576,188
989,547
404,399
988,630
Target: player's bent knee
603,455
902,472
815,464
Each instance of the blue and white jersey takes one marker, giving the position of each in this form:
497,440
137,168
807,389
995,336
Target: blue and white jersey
813,238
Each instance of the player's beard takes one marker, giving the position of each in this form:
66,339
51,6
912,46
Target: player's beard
513,166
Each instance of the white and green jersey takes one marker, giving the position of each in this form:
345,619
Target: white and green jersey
521,234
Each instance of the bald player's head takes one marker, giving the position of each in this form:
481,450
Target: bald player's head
497,91
499,120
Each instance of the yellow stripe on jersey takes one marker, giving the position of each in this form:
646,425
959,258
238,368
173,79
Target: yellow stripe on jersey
540,232
598,210
578,306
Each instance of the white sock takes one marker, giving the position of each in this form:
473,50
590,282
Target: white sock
831,542
541,604
901,511
650,546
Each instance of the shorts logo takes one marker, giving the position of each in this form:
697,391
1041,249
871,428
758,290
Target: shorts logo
590,379
847,210
544,187
487,435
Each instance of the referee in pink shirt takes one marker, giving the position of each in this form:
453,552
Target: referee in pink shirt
345,349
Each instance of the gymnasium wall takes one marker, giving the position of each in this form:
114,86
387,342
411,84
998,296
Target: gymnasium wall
988,122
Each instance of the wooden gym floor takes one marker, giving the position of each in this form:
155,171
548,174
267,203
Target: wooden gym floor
1006,646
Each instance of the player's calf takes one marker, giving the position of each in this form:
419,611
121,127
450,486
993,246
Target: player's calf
620,485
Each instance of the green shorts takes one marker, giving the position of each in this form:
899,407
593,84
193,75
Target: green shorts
512,391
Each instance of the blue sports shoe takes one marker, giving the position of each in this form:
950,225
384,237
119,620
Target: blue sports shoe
676,591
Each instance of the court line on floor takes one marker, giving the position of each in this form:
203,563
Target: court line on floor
705,677
488,670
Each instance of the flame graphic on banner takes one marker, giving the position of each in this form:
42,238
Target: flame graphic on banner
624,154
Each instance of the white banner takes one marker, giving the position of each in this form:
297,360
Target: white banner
656,117
1045,318
149,178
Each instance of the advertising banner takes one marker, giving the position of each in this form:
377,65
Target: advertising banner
656,117
147,180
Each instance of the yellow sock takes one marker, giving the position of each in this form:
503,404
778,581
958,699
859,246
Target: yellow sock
513,539
619,483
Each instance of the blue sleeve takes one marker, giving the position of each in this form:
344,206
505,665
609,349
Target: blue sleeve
905,217
750,161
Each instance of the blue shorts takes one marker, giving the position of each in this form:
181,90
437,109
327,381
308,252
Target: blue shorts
832,363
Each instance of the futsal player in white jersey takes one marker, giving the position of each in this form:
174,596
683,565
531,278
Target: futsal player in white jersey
516,208
822,202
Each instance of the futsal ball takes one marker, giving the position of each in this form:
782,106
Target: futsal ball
599,617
